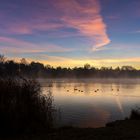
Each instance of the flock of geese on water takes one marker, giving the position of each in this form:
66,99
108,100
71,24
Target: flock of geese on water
75,89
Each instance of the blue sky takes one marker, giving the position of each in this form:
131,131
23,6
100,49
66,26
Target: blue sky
71,32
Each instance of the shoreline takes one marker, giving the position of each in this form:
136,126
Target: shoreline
117,130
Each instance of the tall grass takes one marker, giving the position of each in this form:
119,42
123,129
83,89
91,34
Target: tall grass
23,108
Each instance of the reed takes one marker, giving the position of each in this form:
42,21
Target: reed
23,107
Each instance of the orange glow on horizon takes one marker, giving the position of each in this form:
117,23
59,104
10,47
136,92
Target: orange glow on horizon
67,62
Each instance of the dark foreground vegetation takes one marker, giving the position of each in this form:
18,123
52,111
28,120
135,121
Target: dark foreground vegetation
36,69
23,108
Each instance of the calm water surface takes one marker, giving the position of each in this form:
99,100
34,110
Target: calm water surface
92,103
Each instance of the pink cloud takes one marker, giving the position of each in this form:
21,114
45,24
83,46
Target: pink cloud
20,29
82,16
86,19
29,28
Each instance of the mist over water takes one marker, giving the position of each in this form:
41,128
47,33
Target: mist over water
92,102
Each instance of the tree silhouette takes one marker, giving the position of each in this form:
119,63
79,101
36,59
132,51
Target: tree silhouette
36,69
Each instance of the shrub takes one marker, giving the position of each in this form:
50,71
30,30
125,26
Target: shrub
135,114
23,107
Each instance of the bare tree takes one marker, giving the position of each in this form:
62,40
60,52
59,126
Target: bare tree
2,58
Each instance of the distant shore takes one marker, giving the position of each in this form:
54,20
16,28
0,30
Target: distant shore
91,79
37,70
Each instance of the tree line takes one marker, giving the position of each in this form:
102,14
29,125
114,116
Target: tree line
36,70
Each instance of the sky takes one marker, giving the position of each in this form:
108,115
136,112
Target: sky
70,33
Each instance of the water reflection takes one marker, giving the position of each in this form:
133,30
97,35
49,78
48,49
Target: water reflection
92,103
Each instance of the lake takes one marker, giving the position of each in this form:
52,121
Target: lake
92,102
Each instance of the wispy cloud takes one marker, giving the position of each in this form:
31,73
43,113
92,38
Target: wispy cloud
136,32
57,15
12,45
113,17
86,19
